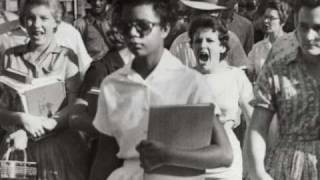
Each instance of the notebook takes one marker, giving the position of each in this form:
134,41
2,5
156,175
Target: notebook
184,127
39,97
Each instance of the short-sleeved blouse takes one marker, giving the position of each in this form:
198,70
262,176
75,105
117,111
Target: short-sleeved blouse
55,61
287,88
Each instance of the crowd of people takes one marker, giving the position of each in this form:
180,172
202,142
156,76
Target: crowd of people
256,61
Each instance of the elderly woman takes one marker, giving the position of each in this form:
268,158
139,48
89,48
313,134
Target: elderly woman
60,155
230,86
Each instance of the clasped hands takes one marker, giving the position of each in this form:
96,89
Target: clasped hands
36,126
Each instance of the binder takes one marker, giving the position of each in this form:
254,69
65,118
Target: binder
183,127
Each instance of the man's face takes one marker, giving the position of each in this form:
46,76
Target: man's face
308,30
99,6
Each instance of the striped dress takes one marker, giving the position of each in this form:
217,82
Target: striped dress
289,90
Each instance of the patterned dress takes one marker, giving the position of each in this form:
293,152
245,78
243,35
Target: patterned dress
286,88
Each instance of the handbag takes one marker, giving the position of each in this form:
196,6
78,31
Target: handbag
15,169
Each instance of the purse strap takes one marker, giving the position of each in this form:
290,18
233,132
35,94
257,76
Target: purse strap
6,155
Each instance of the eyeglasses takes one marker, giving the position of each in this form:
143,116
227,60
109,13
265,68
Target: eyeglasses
143,27
270,18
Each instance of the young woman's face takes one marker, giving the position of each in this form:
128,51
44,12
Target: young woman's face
272,21
141,29
40,25
207,48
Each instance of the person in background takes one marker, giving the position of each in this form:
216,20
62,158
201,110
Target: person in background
181,45
95,27
238,24
61,153
230,86
143,83
288,86
101,146
275,17
8,20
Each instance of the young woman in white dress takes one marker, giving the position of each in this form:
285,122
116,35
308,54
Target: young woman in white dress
230,86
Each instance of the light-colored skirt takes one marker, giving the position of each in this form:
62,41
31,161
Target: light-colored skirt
131,169
234,172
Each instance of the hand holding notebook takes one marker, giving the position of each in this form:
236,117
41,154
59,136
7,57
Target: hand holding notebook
176,127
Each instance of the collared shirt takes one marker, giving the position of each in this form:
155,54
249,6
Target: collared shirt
94,32
235,57
243,28
285,87
66,36
55,61
125,99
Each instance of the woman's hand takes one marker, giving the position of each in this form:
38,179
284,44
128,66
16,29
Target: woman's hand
49,124
152,154
18,139
33,124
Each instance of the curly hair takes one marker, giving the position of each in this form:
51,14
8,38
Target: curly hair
165,9
282,7
214,23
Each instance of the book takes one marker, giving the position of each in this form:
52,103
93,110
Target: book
183,127
40,97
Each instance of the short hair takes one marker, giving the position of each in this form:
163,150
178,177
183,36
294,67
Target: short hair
165,9
282,7
53,5
214,23
305,3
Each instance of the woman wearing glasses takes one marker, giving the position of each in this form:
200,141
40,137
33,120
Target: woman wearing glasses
275,16
154,77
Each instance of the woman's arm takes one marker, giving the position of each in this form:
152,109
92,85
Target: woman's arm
32,124
80,119
218,154
256,149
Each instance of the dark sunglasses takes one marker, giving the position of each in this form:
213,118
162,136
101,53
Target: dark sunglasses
143,27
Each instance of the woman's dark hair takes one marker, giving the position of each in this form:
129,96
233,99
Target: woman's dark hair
282,7
207,21
165,9
53,5
305,3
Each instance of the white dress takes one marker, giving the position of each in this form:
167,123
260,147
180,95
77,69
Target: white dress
123,108
230,88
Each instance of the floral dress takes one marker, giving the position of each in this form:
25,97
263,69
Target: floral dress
62,155
288,89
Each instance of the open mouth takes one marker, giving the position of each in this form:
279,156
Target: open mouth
203,56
